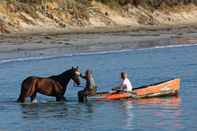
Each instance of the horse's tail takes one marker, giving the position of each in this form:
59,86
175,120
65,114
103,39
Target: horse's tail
21,97
27,89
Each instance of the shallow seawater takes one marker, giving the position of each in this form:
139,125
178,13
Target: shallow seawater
145,66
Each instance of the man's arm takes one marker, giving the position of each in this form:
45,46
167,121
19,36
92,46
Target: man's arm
119,87
123,86
116,88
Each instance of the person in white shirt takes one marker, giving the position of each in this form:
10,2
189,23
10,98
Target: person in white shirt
125,84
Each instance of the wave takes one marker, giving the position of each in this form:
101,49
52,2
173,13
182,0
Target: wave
21,59
3,61
10,60
175,46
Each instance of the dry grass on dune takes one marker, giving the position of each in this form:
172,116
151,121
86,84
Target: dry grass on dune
30,15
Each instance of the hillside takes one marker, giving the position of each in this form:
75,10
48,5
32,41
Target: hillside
33,16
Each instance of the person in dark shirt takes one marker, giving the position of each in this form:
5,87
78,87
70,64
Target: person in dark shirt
90,87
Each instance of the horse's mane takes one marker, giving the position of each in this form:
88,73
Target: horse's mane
63,77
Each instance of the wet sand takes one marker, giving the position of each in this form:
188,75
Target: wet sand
79,41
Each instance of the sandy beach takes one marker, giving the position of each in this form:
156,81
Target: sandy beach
92,40
55,28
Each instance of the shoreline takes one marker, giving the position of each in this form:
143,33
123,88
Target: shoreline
93,40
5,61
98,30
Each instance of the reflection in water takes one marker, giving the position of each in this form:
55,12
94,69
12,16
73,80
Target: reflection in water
85,107
160,109
168,101
57,116
43,110
55,110
128,106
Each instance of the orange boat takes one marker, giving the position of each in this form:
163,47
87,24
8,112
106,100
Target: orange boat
164,88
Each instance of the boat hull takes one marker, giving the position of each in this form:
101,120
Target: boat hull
165,88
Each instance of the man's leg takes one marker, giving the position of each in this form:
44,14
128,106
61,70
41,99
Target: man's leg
81,96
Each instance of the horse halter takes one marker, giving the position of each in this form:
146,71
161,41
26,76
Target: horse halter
76,75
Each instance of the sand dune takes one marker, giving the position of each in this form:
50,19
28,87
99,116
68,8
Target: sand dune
64,16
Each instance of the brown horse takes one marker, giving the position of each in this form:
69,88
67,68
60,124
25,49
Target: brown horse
51,86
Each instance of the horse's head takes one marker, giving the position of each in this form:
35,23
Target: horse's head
76,75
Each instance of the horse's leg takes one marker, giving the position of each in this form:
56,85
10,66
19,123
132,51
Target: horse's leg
33,98
60,98
82,96
63,98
